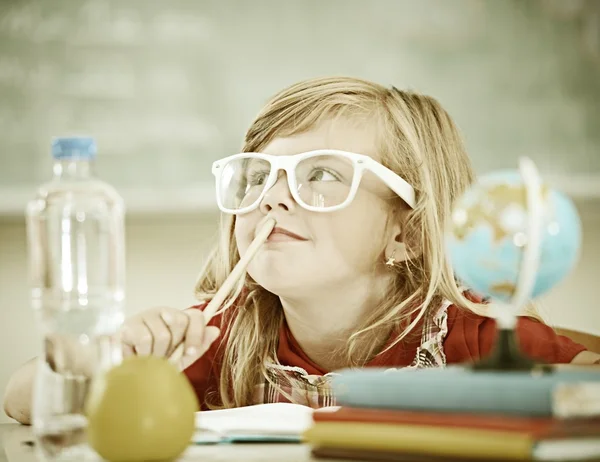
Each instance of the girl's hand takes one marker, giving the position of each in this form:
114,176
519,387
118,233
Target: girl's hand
159,331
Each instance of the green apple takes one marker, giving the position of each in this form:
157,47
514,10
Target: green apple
141,410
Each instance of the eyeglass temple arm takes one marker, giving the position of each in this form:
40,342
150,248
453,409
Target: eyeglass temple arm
394,181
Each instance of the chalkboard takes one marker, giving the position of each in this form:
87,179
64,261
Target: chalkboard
167,87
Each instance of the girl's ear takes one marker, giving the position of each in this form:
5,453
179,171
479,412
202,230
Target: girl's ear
400,246
396,250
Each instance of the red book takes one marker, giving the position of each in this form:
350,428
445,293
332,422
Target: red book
537,427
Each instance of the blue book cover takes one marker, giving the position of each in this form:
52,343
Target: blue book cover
458,389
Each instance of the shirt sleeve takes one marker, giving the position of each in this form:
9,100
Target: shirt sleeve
204,374
471,337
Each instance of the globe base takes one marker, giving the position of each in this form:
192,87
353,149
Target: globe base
507,356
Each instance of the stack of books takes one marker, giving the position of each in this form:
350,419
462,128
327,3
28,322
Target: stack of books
459,414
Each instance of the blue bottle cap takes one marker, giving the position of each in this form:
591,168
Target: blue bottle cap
74,147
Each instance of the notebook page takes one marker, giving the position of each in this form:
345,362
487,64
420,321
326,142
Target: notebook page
260,419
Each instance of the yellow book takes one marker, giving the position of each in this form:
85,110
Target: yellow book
441,441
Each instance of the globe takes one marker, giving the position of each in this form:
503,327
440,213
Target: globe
488,236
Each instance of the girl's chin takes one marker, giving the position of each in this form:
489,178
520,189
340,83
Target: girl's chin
282,283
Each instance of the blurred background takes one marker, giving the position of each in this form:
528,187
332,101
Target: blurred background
168,87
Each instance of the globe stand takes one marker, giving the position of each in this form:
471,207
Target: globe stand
507,356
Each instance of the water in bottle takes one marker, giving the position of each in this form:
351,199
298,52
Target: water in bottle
75,230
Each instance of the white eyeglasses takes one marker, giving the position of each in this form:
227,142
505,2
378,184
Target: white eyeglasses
320,181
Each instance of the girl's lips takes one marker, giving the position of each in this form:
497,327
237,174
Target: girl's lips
281,234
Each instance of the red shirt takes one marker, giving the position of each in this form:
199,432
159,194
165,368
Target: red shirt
469,338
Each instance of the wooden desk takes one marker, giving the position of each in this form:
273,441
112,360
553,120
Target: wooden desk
12,449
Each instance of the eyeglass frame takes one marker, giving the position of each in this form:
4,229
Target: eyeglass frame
361,163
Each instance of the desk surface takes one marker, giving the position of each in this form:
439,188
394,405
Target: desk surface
13,449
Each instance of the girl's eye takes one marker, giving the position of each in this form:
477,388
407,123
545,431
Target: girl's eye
320,174
257,178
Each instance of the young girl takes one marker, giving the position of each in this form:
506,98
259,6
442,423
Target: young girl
353,275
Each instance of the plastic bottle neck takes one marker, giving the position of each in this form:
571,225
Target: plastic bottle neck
72,169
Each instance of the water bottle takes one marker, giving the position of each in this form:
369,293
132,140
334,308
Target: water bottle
75,232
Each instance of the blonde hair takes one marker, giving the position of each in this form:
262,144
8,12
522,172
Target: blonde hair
419,141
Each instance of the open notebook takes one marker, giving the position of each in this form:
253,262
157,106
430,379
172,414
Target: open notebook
276,422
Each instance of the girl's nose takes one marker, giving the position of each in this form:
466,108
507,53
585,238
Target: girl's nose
278,197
